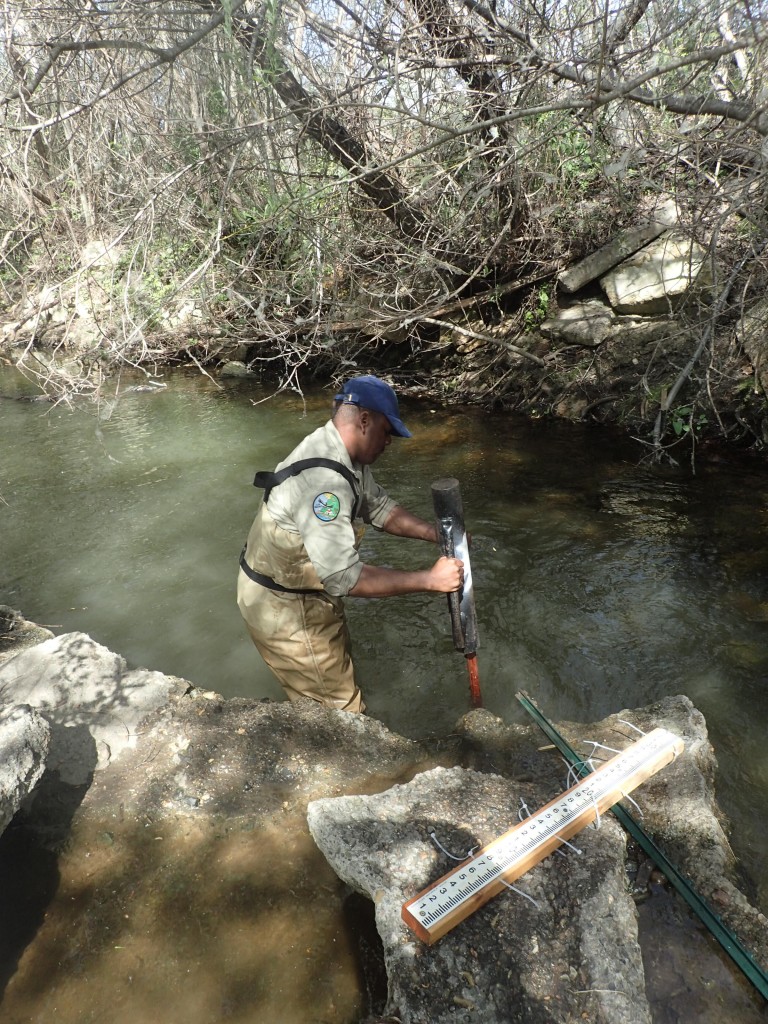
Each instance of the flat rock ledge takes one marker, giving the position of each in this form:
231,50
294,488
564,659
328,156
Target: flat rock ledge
92,703
574,952
150,757
566,947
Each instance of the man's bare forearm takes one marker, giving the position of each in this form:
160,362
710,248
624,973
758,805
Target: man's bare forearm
444,576
402,523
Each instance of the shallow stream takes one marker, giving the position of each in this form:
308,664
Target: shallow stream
601,582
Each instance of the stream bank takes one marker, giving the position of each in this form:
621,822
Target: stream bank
637,333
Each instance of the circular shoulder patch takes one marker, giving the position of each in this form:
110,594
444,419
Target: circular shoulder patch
326,506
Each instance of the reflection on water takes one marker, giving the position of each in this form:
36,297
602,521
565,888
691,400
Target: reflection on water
601,583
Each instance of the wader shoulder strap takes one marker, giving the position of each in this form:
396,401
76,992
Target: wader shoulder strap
270,480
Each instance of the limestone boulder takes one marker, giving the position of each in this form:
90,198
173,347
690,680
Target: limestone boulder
567,946
586,323
593,324
235,368
753,335
92,703
657,278
564,946
619,248
24,741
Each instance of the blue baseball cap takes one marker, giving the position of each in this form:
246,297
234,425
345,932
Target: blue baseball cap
373,393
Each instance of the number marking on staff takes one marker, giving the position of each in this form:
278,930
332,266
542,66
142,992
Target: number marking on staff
442,905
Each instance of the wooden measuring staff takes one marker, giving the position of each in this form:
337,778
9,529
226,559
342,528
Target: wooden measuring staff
442,905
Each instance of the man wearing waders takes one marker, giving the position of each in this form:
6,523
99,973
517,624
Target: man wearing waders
301,557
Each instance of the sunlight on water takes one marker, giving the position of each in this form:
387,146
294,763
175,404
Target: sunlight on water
601,583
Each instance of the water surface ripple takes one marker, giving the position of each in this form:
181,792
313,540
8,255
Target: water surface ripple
601,583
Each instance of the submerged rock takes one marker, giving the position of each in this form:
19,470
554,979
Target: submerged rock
17,633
